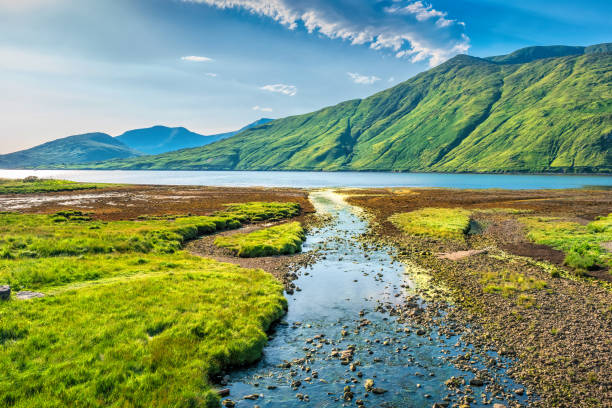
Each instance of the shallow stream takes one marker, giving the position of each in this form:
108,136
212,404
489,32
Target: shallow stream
341,292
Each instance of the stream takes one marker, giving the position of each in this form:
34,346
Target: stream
337,315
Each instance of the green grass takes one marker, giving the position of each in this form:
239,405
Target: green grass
279,240
35,185
509,283
143,340
447,223
129,318
581,244
261,211
465,115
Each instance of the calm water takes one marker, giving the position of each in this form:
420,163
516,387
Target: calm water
347,281
317,179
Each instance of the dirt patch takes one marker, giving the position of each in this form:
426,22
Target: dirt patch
131,202
455,256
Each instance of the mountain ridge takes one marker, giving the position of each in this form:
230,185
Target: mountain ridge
469,114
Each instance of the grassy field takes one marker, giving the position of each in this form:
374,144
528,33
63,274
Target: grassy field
129,319
35,185
448,223
582,244
279,240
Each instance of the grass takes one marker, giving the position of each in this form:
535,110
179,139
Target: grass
129,318
509,284
447,223
31,185
582,244
261,211
279,240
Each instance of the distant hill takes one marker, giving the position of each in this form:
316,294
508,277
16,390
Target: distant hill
89,147
162,139
539,109
97,147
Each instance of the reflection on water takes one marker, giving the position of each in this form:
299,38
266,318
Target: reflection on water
335,313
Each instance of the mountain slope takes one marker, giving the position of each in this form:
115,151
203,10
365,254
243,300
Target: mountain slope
70,150
162,139
466,115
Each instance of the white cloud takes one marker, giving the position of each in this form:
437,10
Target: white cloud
408,28
262,109
363,79
280,88
196,58
391,79
211,74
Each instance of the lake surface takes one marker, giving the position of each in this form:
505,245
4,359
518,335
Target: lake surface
343,291
317,179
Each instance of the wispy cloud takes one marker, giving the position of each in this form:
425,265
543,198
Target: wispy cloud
280,88
196,58
362,79
407,28
211,74
262,109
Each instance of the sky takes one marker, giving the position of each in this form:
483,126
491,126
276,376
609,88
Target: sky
76,66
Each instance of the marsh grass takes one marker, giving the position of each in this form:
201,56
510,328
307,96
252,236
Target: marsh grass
510,284
32,185
282,239
261,211
130,319
446,223
581,244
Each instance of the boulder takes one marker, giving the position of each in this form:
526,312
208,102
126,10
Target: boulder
5,292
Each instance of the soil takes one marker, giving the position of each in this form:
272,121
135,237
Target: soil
559,336
131,202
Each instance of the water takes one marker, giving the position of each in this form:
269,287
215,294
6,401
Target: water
333,292
317,179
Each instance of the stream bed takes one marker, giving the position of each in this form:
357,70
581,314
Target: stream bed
338,335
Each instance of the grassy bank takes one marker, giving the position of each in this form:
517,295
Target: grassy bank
451,223
582,244
279,240
129,318
32,185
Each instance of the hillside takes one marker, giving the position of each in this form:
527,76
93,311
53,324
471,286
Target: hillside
70,150
162,139
466,115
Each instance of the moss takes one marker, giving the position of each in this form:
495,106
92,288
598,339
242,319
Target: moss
279,240
448,223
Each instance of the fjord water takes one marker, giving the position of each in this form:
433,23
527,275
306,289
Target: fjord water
312,179
346,280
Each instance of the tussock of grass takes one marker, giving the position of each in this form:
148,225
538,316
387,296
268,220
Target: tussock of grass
260,211
509,284
32,185
279,240
129,319
581,244
448,223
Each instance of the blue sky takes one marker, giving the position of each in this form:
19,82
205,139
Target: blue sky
75,66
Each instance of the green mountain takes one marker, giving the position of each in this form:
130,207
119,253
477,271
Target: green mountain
69,151
162,139
540,109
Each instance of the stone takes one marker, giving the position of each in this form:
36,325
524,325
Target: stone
228,403
368,384
251,397
476,382
378,391
224,392
26,295
5,292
